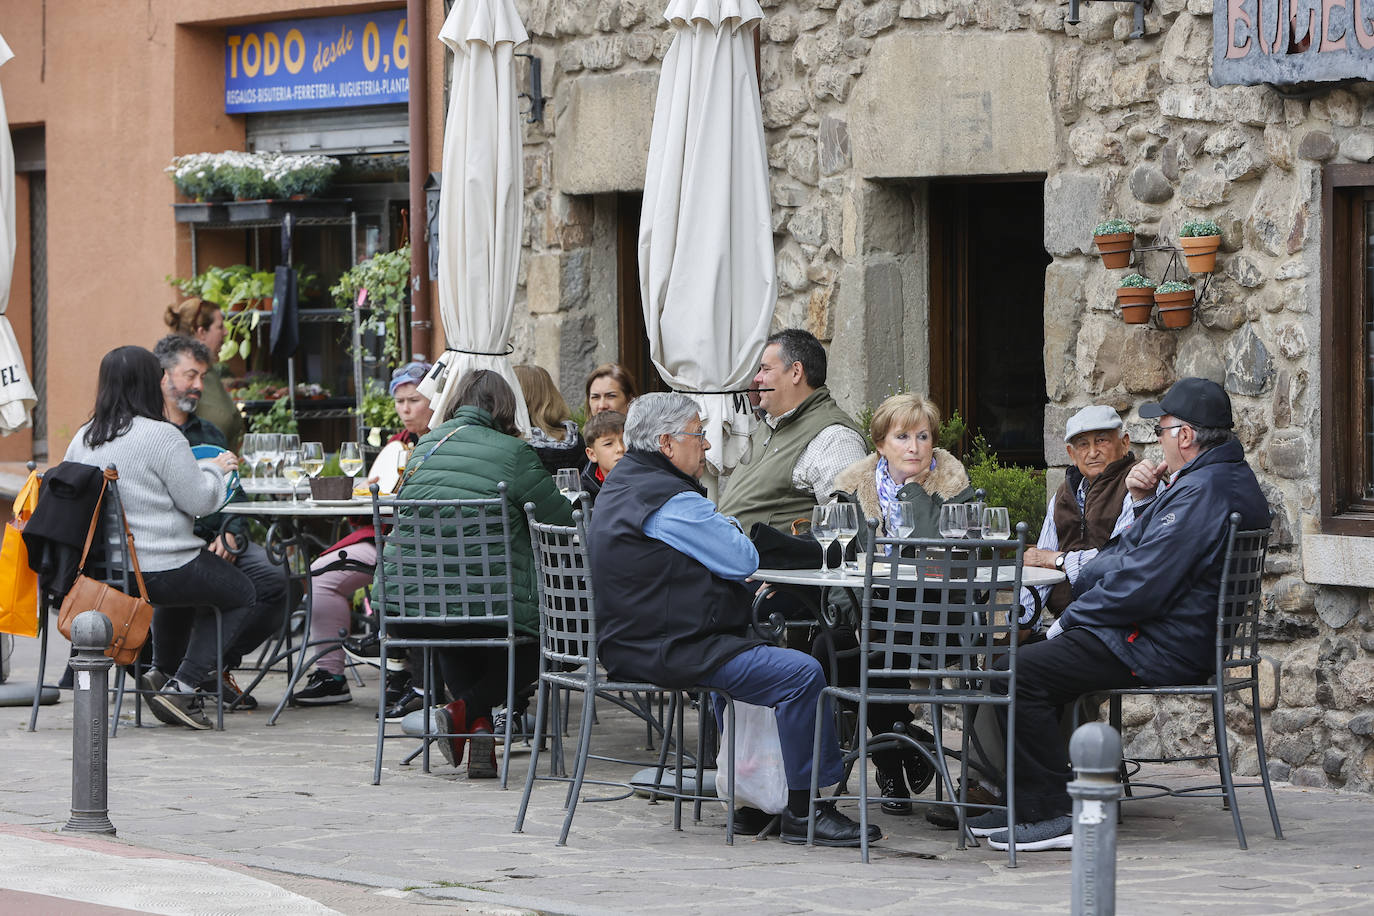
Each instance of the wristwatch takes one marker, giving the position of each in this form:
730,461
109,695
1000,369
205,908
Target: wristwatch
1059,562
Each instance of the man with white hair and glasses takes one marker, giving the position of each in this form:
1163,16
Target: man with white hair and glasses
673,609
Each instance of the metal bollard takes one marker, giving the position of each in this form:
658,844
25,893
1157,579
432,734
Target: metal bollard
1095,750
91,633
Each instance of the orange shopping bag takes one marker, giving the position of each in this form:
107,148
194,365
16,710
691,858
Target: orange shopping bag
18,582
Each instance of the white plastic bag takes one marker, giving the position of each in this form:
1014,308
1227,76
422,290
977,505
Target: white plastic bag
760,779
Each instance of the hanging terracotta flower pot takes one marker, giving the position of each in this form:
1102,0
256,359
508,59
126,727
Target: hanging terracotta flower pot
1136,295
1200,239
1175,301
1114,239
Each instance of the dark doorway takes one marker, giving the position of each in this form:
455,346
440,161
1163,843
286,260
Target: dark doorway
987,290
633,341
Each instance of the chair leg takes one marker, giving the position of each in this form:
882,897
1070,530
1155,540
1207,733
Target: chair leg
730,771
664,747
1263,760
381,731
814,793
1224,760
119,695
219,671
584,750
540,708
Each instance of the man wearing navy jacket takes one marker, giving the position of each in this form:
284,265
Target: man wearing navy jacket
1144,609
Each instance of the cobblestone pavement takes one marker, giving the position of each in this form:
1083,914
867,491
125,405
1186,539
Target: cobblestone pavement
290,810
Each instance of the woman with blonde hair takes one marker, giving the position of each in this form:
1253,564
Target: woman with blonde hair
205,322
907,467
553,434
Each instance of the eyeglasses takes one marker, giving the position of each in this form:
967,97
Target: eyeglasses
1159,430
699,435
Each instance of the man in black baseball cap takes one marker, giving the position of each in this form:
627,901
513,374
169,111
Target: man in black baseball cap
1144,609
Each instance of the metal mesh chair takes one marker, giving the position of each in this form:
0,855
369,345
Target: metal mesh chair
567,661
1237,668
432,570
940,611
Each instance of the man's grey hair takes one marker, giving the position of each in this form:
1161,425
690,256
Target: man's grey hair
657,414
168,351
1208,437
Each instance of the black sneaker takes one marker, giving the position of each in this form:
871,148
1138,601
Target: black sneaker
183,707
322,689
397,686
367,650
151,681
234,697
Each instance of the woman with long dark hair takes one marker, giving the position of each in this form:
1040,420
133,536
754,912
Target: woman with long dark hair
466,457
163,488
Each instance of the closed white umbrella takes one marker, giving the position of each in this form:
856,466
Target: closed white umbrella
705,234
480,199
17,396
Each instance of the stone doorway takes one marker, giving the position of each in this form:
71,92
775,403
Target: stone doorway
986,327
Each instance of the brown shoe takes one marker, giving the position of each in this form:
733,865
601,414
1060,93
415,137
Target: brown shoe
482,751
947,818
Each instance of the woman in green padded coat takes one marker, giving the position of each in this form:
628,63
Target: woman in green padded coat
467,457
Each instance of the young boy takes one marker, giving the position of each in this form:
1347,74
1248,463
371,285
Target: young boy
605,437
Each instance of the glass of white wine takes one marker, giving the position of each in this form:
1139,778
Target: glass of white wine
292,469
312,458
569,483
350,458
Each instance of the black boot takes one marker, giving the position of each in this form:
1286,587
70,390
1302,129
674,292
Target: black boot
896,797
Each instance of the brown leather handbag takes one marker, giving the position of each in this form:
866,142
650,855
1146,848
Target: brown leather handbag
130,616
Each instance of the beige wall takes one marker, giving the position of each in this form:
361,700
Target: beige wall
121,88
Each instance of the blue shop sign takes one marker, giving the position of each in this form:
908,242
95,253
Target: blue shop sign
331,62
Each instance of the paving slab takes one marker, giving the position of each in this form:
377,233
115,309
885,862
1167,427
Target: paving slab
294,803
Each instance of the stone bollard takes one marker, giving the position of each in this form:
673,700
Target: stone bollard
1095,750
91,634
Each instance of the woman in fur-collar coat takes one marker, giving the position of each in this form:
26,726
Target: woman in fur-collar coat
907,467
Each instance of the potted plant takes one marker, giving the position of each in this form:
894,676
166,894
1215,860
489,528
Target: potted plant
1137,297
1200,239
385,278
1175,301
299,177
1114,239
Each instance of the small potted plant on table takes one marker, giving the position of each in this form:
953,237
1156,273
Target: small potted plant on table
1175,301
1200,239
1114,239
1137,297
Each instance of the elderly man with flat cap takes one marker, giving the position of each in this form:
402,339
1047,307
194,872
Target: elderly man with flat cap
1091,506
1144,609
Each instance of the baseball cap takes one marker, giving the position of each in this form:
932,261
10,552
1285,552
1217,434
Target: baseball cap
1091,419
1199,401
409,374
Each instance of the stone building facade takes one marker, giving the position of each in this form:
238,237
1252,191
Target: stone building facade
866,105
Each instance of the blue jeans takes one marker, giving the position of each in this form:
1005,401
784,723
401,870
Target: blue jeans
183,622
790,682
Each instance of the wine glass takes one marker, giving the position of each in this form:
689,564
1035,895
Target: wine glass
904,519
269,453
824,531
350,458
953,520
846,517
290,441
312,458
996,523
975,518
292,469
250,452
569,483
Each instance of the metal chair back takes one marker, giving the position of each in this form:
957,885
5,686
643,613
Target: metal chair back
937,609
567,622
1241,597
443,560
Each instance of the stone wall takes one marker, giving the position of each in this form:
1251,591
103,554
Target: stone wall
863,103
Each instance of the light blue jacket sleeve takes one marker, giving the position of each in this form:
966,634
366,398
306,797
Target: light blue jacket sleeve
690,523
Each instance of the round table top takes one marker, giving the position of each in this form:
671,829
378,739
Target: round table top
304,508
1031,576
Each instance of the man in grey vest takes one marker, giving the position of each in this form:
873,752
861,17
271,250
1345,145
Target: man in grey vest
804,441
